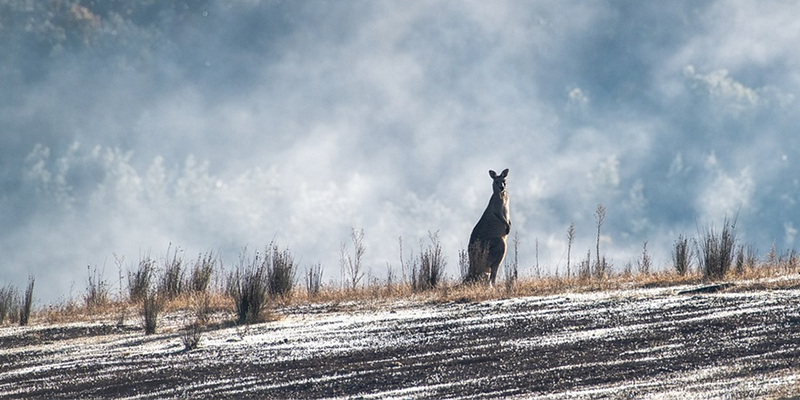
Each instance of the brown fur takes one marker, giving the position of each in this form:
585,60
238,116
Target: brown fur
487,243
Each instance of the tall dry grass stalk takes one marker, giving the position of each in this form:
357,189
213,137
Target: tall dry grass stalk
314,280
600,266
27,303
512,267
645,262
570,241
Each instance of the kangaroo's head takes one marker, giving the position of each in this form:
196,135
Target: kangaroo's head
499,181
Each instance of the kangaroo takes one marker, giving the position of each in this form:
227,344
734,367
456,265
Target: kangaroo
487,243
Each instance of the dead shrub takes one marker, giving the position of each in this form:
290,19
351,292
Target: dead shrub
391,279
463,264
27,303
202,271
645,262
9,304
585,267
191,336
171,283
97,290
249,288
681,255
570,241
139,280
428,270
746,259
280,272
352,266
152,304
717,250
790,261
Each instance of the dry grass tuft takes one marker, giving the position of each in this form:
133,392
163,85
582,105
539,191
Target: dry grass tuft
9,304
151,306
427,270
139,281
717,250
191,336
97,290
249,288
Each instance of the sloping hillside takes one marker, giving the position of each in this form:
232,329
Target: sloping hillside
629,343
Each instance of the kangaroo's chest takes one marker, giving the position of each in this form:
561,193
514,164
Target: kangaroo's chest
501,207
496,216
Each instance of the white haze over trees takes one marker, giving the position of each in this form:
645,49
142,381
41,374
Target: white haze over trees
126,126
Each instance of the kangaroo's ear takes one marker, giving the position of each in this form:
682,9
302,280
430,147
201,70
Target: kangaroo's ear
492,174
504,173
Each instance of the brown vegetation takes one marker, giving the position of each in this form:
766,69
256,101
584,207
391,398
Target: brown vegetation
267,279
774,276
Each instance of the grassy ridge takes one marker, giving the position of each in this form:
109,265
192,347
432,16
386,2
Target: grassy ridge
263,279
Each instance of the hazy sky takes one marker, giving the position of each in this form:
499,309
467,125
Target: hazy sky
129,126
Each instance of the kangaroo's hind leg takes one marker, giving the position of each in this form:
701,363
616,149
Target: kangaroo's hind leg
497,251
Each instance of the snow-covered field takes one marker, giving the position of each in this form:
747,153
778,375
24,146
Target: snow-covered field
638,343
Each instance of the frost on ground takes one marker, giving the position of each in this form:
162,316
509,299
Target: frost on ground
646,343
